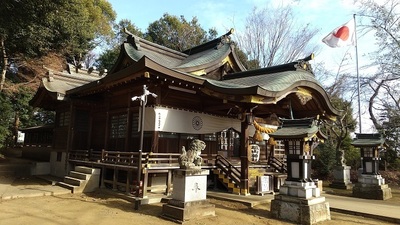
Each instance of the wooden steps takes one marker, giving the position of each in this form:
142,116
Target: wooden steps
227,182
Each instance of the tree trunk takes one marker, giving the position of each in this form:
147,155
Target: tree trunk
16,127
370,106
5,64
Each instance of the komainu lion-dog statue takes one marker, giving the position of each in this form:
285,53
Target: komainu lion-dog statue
191,159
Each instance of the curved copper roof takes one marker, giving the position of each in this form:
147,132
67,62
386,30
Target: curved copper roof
266,86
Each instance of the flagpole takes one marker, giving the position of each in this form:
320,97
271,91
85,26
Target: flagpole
358,76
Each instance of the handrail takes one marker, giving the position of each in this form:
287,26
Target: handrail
148,159
230,170
277,164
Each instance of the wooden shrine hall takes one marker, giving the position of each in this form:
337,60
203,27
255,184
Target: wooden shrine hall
202,93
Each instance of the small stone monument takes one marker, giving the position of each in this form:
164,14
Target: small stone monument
341,173
189,187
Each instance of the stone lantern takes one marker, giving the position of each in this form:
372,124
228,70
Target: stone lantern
299,198
370,184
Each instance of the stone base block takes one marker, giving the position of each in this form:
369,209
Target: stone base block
300,189
371,179
371,191
190,185
300,210
179,211
341,175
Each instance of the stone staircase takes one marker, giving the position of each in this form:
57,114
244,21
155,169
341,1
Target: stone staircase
82,179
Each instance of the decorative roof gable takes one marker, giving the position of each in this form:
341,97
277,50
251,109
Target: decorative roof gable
215,56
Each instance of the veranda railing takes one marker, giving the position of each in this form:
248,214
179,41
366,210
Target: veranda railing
151,163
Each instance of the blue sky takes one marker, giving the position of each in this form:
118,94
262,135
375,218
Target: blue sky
224,14
324,15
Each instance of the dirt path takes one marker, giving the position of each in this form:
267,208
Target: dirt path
102,208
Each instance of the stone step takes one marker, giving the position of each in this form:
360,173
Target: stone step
79,175
73,181
73,188
82,179
87,170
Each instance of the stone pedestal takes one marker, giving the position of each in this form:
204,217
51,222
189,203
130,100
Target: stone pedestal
341,176
300,203
189,196
372,187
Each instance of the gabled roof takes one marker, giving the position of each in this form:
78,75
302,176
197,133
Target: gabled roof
272,84
369,140
198,60
264,82
270,79
61,82
56,83
134,71
298,129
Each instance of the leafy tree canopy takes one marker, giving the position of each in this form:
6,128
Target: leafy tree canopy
107,58
30,31
33,28
178,33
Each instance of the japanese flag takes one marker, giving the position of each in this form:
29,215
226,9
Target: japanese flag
341,36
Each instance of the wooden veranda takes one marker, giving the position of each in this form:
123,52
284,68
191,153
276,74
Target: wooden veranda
120,169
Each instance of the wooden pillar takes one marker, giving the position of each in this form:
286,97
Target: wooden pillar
107,132
155,139
145,182
128,132
244,161
89,142
169,183
115,178
128,181
103,177
70,136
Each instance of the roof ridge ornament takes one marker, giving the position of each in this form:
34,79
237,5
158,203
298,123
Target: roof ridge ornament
132,39
304,63
225,38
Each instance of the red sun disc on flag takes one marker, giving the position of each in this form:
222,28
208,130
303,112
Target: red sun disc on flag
343,33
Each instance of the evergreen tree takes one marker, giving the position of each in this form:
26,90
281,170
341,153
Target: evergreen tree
178,33
108,57
33,28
